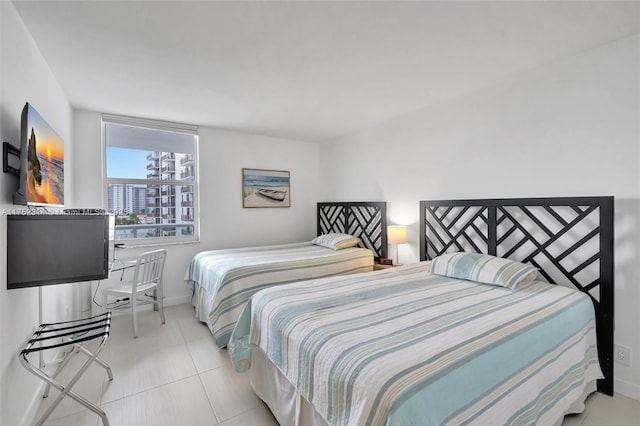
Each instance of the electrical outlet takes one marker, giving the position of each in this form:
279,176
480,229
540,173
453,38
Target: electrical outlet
623,355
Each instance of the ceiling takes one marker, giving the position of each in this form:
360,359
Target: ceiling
303,70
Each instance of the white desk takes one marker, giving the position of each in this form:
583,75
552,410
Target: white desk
118,268
122,265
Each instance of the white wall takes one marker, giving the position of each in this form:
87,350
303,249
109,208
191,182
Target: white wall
569,128
25,77
223,221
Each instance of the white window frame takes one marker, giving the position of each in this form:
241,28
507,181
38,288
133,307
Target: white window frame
161,126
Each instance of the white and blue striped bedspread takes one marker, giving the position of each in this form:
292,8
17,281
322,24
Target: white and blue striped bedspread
229,277
402,346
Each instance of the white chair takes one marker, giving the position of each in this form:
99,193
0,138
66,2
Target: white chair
147,277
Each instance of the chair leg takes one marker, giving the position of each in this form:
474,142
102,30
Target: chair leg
135,316
160,306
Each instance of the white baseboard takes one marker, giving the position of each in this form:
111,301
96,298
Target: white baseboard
632,390
177,300
29,416
168,301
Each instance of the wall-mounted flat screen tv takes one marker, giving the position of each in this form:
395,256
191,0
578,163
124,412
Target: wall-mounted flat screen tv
54,249
41,162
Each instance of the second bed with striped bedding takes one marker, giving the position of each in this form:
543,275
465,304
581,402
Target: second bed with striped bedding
224,280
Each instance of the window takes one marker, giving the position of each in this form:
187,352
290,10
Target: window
151,179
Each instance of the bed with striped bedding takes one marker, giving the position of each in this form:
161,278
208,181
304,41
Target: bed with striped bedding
404,346
223,280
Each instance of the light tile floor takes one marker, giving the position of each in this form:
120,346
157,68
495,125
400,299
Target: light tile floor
173,374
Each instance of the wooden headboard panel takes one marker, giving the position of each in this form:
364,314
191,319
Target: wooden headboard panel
570,240
365,220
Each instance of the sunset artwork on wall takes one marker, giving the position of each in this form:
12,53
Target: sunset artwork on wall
265,188
45,162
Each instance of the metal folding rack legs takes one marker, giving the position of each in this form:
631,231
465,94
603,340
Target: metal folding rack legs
71,334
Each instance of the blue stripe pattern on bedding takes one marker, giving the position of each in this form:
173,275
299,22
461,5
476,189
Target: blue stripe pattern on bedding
228,278
403,346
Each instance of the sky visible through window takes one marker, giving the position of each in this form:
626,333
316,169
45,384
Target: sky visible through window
127,163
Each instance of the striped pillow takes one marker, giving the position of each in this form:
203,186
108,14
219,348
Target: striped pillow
483,268
336,241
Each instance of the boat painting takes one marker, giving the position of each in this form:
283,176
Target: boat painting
273,194
265,188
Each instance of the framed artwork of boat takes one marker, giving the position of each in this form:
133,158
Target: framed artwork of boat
265,188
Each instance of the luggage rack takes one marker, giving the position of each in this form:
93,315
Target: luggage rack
72,334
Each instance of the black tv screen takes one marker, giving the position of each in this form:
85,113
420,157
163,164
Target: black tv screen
55,249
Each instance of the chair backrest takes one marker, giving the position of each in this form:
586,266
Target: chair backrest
149,268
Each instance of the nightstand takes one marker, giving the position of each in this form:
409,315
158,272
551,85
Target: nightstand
378,267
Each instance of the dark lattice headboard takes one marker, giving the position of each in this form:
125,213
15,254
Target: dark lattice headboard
365,220
570,240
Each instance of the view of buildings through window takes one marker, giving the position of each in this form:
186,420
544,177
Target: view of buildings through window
151,182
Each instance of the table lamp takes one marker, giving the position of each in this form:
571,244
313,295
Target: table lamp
397,235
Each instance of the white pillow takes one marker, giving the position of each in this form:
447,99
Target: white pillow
336,241
483,268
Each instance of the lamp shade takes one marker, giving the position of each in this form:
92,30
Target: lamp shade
396,234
